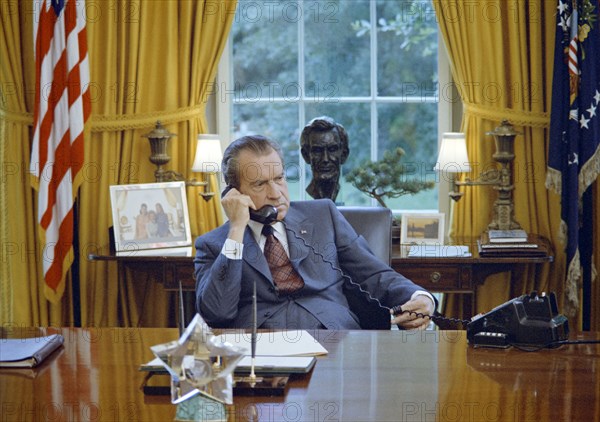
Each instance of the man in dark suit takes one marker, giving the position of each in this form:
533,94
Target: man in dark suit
324,254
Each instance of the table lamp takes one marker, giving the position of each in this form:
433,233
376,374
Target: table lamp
207,161
453,159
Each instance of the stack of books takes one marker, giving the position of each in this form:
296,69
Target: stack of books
511,243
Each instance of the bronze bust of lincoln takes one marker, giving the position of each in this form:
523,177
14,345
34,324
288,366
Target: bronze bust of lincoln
324,146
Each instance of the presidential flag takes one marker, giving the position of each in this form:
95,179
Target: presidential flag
574,153
62,106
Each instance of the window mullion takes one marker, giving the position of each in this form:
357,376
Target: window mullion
374,89
302,99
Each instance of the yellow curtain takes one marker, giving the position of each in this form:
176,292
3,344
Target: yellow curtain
501,54
149,61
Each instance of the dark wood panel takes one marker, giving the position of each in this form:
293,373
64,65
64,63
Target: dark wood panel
179,272
439,278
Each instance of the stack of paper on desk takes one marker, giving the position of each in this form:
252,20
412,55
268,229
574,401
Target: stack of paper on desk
276,352
277,343
276,365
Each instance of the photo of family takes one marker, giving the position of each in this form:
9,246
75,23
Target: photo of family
150,215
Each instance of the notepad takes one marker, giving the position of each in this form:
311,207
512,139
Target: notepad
276,365
28,352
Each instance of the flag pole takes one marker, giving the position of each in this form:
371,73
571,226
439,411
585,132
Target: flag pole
75,274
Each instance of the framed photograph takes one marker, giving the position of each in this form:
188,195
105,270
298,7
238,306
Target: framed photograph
150,216
422,228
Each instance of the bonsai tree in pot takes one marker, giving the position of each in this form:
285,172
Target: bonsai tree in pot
386,178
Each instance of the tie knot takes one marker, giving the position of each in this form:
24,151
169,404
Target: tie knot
267,230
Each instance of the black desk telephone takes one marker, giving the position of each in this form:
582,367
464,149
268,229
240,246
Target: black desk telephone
526,321
264,215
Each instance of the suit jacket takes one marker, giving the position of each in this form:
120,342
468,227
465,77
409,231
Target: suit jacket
326,252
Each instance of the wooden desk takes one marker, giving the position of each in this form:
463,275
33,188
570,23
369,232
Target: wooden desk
367,376
170,270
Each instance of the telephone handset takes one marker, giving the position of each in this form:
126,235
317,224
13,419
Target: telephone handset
264,215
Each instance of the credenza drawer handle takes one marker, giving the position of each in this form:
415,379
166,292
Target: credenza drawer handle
435,276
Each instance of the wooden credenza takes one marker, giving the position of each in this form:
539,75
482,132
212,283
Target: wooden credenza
436,274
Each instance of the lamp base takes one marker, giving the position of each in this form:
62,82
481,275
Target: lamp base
207,195
455,195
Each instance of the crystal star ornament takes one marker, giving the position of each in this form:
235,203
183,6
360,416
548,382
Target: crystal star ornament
199,363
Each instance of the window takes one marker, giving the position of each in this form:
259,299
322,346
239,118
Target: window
371,65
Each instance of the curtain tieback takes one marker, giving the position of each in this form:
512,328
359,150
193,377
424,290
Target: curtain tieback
107,123
516,117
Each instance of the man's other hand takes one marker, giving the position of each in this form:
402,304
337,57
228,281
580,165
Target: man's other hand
421,304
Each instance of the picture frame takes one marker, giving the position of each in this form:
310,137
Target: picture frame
150,216
422,228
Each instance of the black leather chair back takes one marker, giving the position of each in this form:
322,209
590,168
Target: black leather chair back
375,225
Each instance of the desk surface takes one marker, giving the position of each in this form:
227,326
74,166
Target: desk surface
367,376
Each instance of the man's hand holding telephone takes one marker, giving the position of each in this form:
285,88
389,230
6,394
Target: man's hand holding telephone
407,315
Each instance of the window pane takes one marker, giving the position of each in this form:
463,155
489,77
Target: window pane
277,121
413,127
334,55
407,49
265,50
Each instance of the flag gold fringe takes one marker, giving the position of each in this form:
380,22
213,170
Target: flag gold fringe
589,172
554,180
572,283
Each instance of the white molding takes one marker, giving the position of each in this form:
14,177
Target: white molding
445,118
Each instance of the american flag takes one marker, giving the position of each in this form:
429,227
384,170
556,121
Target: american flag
62,106
574,152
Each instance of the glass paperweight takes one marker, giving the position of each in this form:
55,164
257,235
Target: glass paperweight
199,363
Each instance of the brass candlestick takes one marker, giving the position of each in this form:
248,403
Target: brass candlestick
159,139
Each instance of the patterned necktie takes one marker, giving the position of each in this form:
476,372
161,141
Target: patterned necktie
286,279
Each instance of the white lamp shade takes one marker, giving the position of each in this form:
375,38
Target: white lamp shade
453,156
208,154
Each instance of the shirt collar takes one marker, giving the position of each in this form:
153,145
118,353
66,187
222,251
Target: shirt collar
256,228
